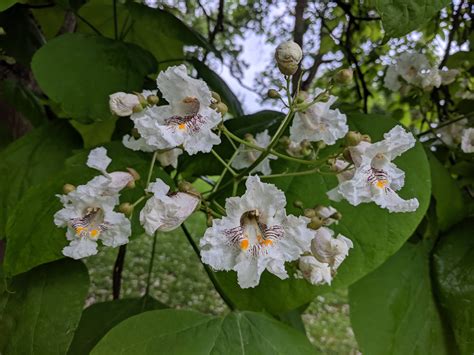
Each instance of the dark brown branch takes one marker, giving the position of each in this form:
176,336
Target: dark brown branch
318,60
455,25
298,32
219,27
117,273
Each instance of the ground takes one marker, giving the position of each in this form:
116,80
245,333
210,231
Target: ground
179,280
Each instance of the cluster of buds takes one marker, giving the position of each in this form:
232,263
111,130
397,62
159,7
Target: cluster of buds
217,104
322,216
353,139
288,56
298,150
123,104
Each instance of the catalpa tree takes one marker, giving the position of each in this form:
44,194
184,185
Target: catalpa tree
115,127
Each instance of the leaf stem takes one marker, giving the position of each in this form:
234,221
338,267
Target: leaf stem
223,162
150,171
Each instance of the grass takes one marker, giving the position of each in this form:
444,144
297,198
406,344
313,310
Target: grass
179,280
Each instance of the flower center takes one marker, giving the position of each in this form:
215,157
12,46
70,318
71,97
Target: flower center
252,235
187,117
91,225
378,178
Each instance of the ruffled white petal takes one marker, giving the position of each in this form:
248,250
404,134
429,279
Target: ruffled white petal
319,123
166,213
315,272
467,141
328,249
80,248
247,156
98,159
170,157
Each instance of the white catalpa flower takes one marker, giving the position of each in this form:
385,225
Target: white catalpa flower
319,123
451,135
247,156
187,121
391,80
256,235
315,272
122,104
88,211
165,211
409,66
429,79
328,249
467,143
326,214
448,76
376,178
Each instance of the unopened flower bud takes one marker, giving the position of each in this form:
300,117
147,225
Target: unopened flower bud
186,186
353,138
347,155
309,212
67,188
153,100
222,108
366,138
323,97
337,216
216,96
134,173
143,101
248,137
288,56
126,208
285,141
273,94
137,108
298,204
123,104
306,148
316,223
301,97
209,220
344,76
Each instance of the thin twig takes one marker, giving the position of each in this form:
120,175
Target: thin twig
117,273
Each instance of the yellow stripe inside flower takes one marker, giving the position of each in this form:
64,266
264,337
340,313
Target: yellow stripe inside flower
381,184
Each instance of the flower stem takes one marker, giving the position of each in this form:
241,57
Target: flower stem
209,272
150,266
223,162
150,172
117,273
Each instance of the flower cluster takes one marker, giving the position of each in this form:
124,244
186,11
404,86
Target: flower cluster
88,211
414,70
374,177
253,232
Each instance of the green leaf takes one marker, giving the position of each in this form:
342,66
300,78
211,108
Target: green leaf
187,332
218,85
450,207
454,269
23,101
393,310
375,232
50,20
32,160
5,4
68,67
40,310
96,133
400,17
99,318
149,22
33,238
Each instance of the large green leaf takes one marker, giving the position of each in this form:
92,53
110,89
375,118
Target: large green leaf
33,238
186,332
393,310
40,310
81,71
400,17
5,4
216,83
454,270
99,318
450,207
32,160
375,232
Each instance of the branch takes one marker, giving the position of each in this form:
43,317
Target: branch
455,26
117,273
298,33
219,27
